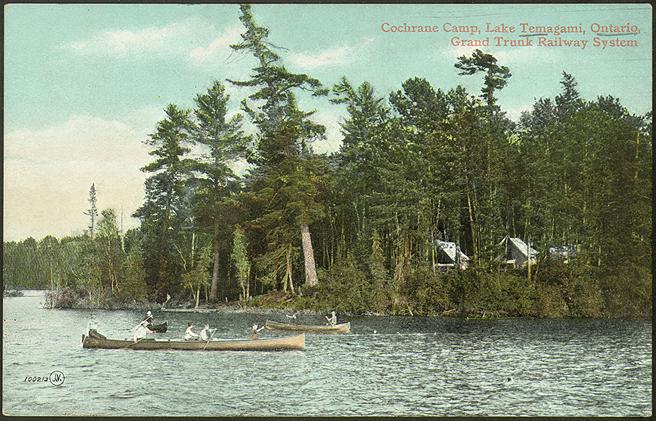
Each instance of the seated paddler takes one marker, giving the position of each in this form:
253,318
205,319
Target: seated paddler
332,319
149,318
207,333
255,331
190,335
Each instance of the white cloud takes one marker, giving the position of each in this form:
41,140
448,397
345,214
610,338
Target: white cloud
48,172
219,48
333,131
174,39
124,42
514,113
335,56
194,41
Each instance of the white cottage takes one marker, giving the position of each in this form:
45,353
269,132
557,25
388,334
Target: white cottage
517,252
450,255
564,252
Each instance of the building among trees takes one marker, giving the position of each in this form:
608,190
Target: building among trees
563,252
450,255
517,252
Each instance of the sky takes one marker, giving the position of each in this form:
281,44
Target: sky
85,84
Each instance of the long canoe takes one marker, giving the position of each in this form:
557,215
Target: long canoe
339,328
275,344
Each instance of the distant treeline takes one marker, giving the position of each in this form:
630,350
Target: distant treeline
355,230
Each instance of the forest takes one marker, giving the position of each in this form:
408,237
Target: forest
355,230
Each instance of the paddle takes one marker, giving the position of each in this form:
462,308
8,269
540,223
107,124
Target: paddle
210,338
134,343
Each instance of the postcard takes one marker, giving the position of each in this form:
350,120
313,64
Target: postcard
310,210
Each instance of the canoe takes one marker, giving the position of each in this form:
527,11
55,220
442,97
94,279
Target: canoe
189,310
97,341
159,328
339,328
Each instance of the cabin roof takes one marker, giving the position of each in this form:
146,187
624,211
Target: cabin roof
520,245
450,249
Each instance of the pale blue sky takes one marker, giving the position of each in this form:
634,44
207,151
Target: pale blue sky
84,84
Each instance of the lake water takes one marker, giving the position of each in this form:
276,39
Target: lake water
386,366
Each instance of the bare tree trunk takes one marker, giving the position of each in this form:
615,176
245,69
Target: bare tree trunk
308,254
637,155
472,228
214,289
289,269
248,285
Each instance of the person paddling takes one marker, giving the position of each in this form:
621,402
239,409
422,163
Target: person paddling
141,330
204,333
332,319
190,335
149,318
255,331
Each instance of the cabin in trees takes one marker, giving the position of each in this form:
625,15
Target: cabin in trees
517,252
564,253
449,255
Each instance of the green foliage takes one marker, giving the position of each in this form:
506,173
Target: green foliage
167,207
198,276
344,288
415,166
496,77
134,284
282,197
221,141
380,279
480,292
92,212
429,292
627,292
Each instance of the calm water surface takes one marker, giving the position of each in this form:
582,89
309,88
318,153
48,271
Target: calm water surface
386,366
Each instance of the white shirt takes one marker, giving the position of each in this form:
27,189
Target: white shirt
190,334
141,330
203,334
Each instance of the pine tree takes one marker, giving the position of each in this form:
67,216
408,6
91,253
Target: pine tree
496,77
92,212
568,101
224,142
109,247
284,134
166,206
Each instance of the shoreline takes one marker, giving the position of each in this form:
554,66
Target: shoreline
237,308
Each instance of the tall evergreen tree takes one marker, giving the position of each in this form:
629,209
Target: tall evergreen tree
493,143
92,212
109,248
496,77
224,142
568,100
284,134
357,175
165,209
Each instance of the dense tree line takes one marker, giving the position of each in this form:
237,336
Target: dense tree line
355,230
